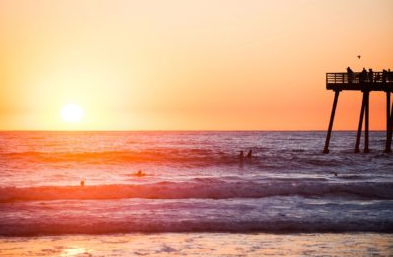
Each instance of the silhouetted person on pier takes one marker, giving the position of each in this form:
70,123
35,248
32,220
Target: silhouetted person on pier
249,154
350,75
390,76
363,76
384,75
370,75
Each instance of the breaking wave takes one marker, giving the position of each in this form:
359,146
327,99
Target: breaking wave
201,189
130,226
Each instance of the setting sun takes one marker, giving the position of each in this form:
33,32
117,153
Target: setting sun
72,113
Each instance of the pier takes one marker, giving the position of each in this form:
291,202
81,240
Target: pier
364,82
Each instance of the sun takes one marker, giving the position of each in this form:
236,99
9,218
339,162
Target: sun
72,113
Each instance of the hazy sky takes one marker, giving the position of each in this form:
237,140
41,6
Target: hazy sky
202,64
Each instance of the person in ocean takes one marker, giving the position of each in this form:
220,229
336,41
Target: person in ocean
241,155
82,182
140,173
249,154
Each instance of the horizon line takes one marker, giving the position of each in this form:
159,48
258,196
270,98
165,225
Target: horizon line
192,130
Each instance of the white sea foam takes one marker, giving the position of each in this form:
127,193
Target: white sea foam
203,188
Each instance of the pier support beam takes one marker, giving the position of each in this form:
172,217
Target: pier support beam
366,119
360,125
389,125
336,94
390,131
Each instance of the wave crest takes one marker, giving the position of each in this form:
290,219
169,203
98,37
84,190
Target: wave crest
201,189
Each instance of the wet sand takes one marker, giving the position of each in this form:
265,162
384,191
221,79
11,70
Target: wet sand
200,244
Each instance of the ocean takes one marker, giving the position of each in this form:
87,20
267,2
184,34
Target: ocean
194,187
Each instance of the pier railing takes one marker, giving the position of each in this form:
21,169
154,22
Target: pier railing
379,81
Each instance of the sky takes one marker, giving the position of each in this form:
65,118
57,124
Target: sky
188,65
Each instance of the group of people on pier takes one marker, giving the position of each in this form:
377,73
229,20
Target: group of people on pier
370,76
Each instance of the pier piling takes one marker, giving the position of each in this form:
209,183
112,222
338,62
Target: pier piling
359,133
366,119
388,124
388,148
336,94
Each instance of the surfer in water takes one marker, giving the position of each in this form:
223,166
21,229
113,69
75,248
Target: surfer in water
249,154
241,155
140,173
82,182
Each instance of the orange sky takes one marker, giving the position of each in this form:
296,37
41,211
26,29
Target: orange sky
207,64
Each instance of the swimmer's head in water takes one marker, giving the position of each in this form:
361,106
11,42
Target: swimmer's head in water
140,173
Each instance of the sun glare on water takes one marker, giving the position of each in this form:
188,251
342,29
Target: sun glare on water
72,113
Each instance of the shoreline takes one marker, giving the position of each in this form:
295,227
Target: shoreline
200,244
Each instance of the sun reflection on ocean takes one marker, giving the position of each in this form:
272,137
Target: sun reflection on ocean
75,252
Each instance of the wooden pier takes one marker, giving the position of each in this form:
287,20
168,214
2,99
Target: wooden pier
365,83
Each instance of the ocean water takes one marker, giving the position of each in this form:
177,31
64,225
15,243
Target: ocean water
194,182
